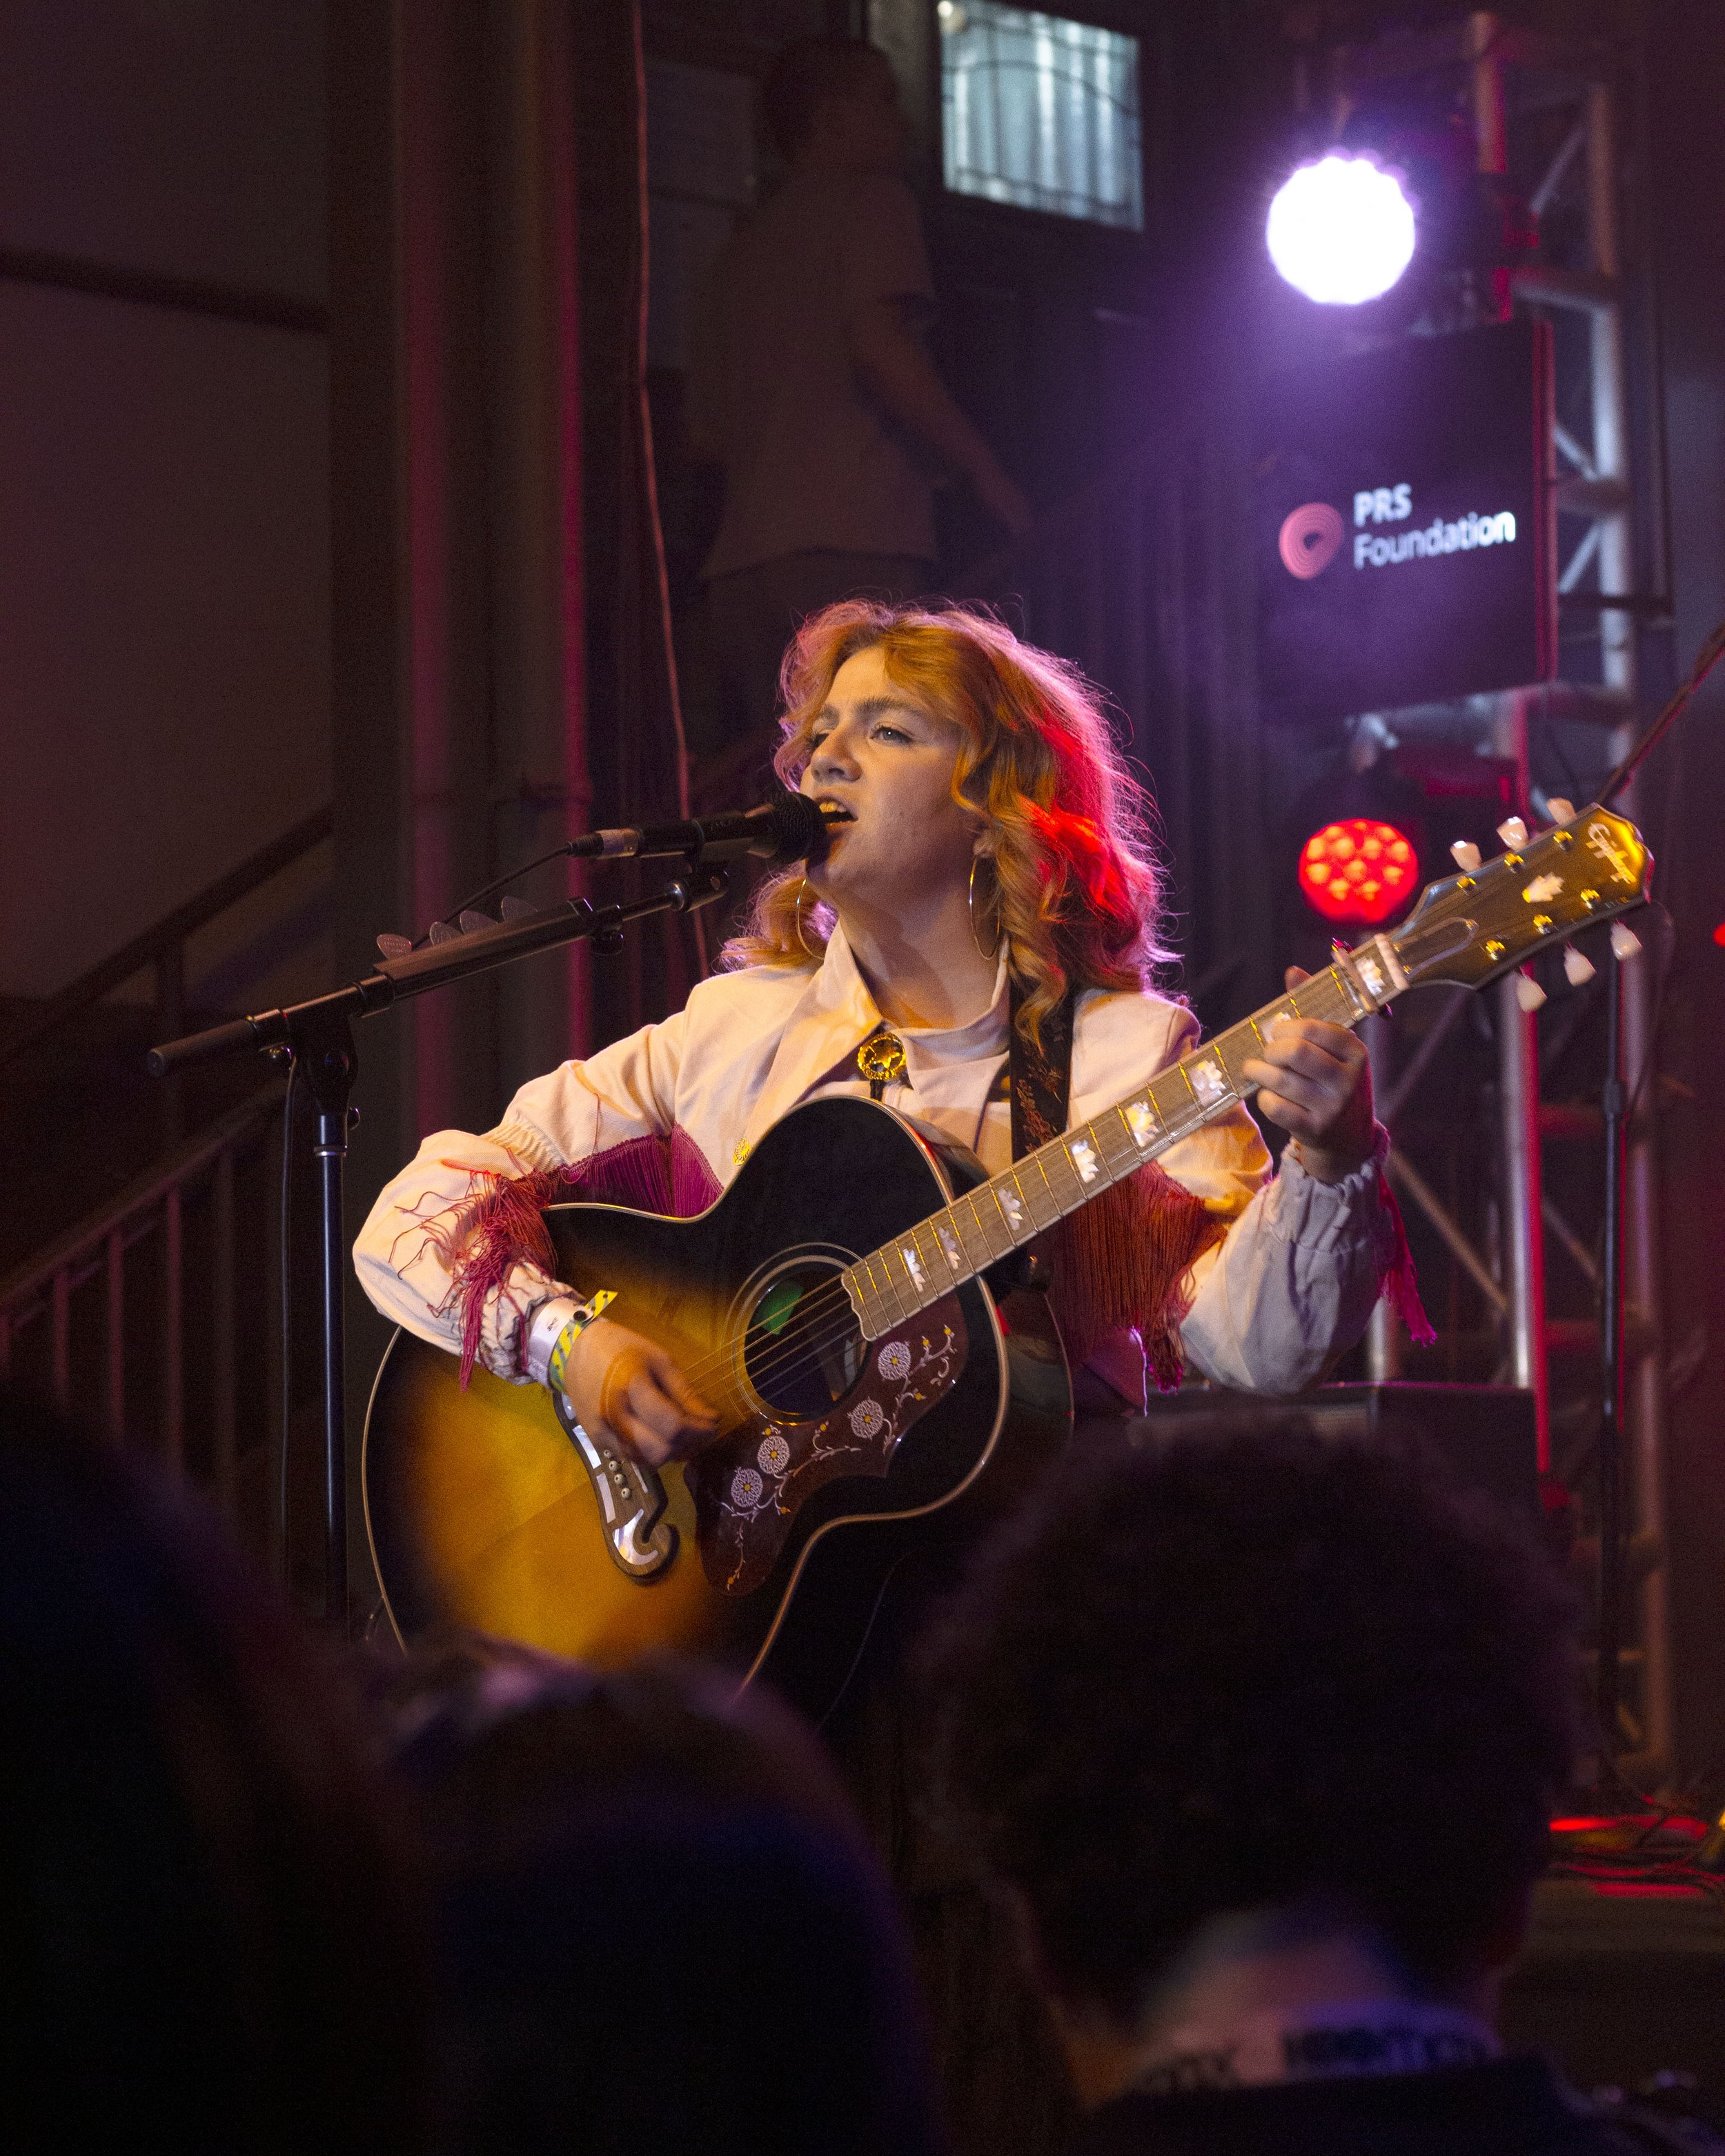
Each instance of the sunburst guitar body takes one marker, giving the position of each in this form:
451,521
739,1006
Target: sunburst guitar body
490,1507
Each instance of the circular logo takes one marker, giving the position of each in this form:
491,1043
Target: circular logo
1309,538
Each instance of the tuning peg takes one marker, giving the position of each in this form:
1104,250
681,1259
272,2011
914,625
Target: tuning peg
1578,967
472,921
1559,810
1624,941
395,947
442,931
1528,992
518,909
1466,854
1512,831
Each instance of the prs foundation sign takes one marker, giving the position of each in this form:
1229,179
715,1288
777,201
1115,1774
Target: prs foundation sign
1403,526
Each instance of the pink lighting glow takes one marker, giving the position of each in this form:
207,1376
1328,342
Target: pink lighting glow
1341,230
1359,870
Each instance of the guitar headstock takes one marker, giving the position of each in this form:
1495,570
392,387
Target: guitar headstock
1472,926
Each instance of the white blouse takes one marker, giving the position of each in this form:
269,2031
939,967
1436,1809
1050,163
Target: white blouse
1289,1287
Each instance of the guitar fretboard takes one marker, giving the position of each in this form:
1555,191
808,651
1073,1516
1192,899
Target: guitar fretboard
1001,1215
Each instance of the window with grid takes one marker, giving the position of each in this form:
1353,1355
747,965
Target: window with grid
1040,111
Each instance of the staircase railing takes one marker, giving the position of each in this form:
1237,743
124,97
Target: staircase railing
69,1312
162,947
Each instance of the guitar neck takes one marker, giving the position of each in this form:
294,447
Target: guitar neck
1002,1215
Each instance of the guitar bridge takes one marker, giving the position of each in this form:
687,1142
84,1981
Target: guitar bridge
641,1543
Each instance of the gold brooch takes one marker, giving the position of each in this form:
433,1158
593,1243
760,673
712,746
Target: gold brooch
881,1058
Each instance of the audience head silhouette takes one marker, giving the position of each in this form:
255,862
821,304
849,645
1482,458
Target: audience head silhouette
662,1929
1256,1699
207,1931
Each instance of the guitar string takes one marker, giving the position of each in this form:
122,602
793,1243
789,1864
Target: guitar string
809,1350
833,1295
830,1297
723,1361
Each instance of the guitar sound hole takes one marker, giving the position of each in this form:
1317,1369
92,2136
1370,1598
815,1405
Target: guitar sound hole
803,1349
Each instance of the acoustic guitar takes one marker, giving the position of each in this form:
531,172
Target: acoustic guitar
851,1307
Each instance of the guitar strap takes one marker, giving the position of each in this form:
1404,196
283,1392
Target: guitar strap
1040,1080
1122,1260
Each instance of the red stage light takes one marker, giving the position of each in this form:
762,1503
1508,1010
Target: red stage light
1719,933
1359,871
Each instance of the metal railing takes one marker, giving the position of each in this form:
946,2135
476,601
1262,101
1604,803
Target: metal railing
66,1311
162,948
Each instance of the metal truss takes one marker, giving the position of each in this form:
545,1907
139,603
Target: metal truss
1550,119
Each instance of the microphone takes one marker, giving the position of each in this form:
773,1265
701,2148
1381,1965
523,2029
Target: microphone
791,829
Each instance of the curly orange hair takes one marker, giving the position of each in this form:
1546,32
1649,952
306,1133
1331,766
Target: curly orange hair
1075,885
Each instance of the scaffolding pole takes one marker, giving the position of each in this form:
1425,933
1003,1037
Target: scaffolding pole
1502,73
1643,1390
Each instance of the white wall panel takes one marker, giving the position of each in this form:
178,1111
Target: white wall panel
179,137
164,613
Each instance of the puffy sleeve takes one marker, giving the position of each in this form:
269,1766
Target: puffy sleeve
462,1193
1291,1284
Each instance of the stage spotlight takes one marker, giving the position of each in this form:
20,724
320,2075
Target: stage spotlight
1359,870
1341,230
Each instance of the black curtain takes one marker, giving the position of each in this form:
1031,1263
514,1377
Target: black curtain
1145,580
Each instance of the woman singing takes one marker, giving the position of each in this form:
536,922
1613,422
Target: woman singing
988,907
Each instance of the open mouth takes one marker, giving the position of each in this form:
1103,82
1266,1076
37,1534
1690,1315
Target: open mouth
835,812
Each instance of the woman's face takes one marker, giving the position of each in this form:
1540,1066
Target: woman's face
888,762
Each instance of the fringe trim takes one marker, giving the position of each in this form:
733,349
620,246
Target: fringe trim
1400,1285
1123,1261
652,1175
501,1223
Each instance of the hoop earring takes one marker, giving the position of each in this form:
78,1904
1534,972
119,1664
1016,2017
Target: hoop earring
802,940
994,947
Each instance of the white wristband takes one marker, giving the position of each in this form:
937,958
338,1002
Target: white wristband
553,1327
545,1328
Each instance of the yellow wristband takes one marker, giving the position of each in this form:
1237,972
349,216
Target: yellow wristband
595,1307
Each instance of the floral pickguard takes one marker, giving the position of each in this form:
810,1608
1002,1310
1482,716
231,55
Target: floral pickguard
748,1487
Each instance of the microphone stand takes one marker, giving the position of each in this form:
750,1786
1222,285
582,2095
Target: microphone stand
1607,1682
319,1036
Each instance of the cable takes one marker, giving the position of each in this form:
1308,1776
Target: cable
515,876
1656,1009
1712,651
287,1307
